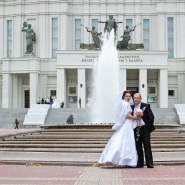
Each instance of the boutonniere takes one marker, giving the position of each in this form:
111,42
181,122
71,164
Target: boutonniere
143,109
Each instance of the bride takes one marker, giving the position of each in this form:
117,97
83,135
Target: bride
55,104
121,149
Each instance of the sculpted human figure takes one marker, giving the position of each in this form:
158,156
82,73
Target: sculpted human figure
126,37
30,37
96,37
110,24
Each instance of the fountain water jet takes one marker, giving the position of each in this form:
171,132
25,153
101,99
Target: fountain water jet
106,81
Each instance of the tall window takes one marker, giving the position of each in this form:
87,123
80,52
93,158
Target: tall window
77,33
54,37
146,34
170,38
95,24
129,23
9,38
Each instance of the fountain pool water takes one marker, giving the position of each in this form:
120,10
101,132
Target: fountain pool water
106,81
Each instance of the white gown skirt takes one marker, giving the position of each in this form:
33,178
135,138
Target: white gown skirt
121,147
55,105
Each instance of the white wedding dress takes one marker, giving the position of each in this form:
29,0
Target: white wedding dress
121,147
55,104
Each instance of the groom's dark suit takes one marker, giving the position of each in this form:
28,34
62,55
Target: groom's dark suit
144,138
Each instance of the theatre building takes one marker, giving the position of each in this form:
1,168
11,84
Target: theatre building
58,67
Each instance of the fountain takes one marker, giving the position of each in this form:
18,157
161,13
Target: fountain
106,81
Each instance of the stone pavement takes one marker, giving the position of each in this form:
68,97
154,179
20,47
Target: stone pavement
84,159
78,175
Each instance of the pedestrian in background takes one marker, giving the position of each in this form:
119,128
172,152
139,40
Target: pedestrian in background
42,100
62,105
70,119
16,124
80,102
39,101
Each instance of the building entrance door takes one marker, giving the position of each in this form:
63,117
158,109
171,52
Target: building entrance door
27,99
133,90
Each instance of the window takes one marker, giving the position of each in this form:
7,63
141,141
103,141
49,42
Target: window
171,93
72,90
129,23
95,24
9,38
146,34
54,37
77,33
53,93
170,38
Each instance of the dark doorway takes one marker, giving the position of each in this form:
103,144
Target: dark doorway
133,90
27,99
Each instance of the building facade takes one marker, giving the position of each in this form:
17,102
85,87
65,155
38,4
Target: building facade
59,68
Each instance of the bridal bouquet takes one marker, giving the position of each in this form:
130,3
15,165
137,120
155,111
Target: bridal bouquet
139,112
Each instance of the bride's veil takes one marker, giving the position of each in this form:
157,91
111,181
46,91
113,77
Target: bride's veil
116,102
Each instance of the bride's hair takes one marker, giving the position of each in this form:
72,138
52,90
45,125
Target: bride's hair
125,92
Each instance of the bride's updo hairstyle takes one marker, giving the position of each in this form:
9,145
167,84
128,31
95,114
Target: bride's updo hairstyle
125,92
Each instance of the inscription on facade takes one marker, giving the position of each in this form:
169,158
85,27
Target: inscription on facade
129,58
121,58
90,58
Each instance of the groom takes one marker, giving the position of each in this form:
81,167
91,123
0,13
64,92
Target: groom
142,133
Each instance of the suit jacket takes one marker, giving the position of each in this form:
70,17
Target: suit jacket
148,116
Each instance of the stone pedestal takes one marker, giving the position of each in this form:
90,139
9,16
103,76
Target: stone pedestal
29,55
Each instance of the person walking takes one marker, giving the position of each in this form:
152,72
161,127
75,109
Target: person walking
142,132
16,124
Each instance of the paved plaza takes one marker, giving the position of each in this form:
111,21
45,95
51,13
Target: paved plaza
76,175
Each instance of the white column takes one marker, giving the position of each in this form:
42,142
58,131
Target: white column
1,83
33,88
161,33
137,33
163,88
86,22
61,86
122,79
20,95
17,37
120,19
81,87
15,91
7,91
42,37
62,33
143,84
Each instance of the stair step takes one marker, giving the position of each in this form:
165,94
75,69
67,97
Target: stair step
82,142
81,150
84,145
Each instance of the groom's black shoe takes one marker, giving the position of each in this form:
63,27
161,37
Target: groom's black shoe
150,166
139,166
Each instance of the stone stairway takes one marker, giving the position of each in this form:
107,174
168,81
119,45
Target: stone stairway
8,115
83,115
181,113
36,115
87,138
